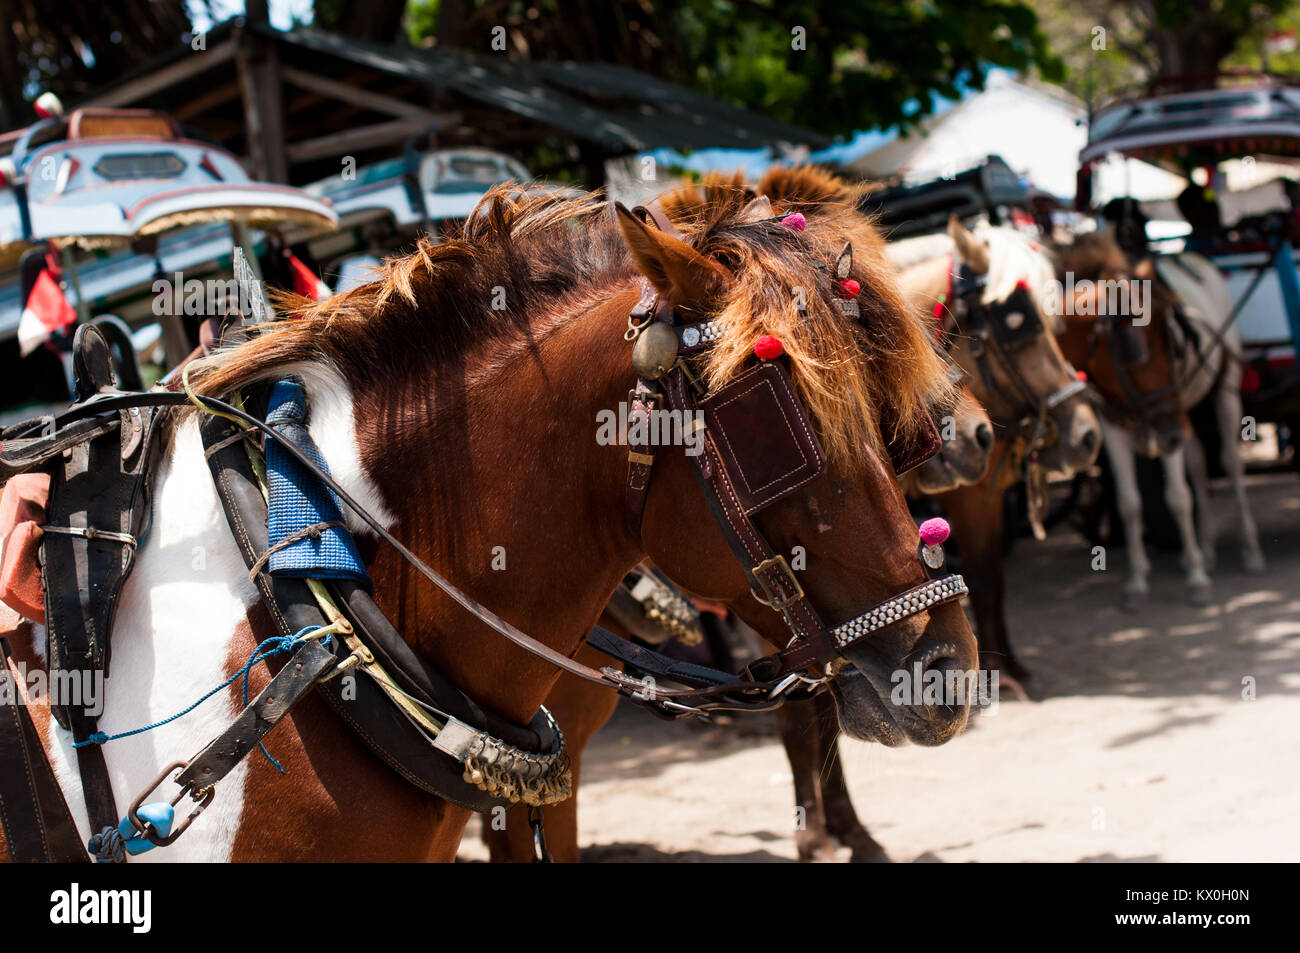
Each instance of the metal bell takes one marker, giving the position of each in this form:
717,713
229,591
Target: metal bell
655,351
932,555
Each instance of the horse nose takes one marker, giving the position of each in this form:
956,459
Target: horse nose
984,436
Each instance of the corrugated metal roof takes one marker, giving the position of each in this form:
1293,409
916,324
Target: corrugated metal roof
622,109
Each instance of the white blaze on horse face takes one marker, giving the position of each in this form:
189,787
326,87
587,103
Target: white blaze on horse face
187,596
332,424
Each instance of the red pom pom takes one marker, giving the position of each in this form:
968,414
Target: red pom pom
1249,379
1080,375
795,222
934,531
768,348
1022,285
848,287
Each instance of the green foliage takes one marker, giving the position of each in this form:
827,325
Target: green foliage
865,63
1144,39
830,66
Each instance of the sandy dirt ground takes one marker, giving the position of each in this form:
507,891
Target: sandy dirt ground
1139,745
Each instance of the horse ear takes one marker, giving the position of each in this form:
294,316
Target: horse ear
677,270
973,251
756,211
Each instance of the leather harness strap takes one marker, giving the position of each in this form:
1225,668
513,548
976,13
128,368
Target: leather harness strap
98,508
33,813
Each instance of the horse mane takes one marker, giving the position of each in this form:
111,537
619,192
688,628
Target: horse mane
523,258
547,258
845,371
1014,257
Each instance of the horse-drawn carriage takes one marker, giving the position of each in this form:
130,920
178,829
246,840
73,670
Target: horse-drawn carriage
385,207
99,207
990,190
1235,139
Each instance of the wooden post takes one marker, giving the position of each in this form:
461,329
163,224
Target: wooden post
258,62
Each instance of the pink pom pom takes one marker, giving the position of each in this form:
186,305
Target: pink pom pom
795,221
934,531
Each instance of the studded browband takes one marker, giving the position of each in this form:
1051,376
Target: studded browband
662,352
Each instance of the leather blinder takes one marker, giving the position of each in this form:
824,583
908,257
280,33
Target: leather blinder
763,436
907,451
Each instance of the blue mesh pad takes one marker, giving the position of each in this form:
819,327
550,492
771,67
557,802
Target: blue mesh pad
298,499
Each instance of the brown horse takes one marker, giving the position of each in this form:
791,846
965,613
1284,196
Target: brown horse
581,710
1040,410
1019,389
1150,357
458,399
1125,351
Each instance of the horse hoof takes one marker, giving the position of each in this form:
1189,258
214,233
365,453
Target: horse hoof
1200,594
1133,601
814,848
877,856
1253,563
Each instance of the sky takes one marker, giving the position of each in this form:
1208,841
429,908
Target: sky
283,12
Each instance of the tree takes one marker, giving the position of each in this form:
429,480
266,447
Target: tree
836,67
73,48
1108,45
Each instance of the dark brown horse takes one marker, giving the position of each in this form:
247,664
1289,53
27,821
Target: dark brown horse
458,399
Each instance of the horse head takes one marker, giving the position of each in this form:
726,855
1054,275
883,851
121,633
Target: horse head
868,379
990,290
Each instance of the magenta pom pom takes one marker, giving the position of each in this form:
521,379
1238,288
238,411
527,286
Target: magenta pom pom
934,531
795,221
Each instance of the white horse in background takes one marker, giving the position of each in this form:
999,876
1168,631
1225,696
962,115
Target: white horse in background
1209,363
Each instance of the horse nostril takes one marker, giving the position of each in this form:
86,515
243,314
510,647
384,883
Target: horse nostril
1091,439
984,436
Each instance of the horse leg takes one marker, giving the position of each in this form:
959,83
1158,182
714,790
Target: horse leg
800,735
841,819
1194,451
1178,496
975,513
1119,448
580,709
1227,407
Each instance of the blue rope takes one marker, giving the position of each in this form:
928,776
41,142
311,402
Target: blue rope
107,847
267,648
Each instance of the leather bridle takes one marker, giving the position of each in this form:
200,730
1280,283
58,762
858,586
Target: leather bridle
1141,409
993,341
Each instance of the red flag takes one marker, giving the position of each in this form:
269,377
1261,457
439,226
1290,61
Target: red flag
305,281
46,311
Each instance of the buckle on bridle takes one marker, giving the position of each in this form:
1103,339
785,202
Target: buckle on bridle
781,587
